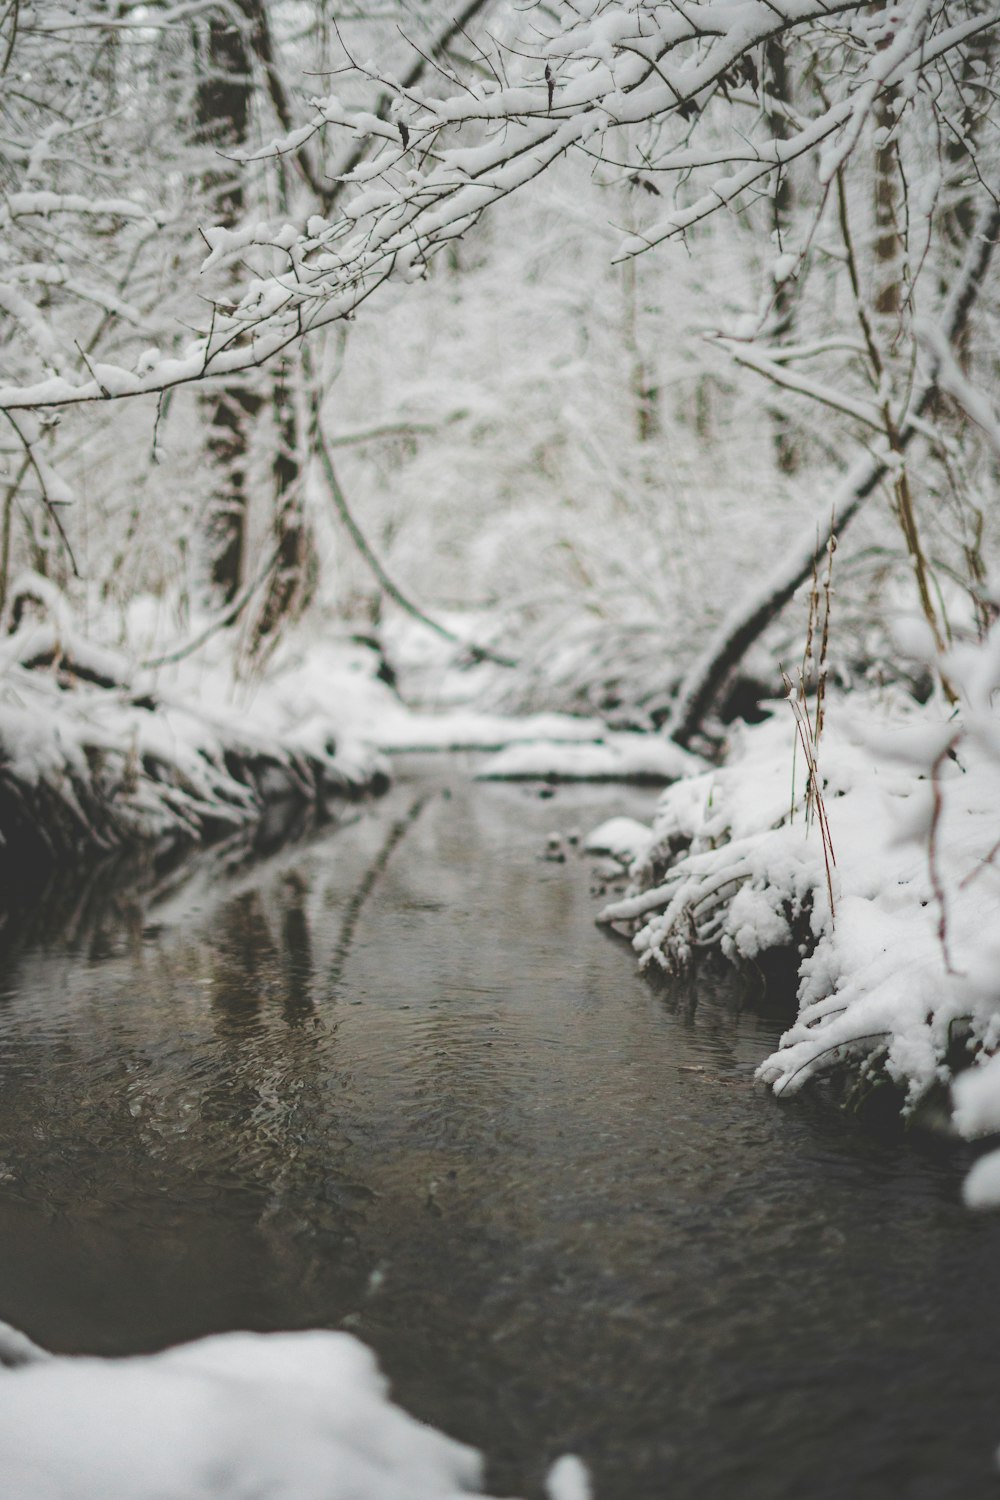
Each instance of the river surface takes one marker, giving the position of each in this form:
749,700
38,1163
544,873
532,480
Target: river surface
394,1080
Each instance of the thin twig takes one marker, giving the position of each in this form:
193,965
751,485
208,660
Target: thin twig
933,868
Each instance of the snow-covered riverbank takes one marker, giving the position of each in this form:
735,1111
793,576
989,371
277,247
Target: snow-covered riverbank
244,1377
896,986
97,756
897,980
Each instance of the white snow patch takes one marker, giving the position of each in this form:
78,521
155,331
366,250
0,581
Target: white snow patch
909,951
568,1479
625,838
977,1099
468,729
239,1416
615,757
981,1188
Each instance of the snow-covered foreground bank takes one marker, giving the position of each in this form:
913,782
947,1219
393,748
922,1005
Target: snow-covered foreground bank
240,1416
898,983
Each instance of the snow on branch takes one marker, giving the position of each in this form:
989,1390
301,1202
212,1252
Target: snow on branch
585,77
44,205
866,412
144,18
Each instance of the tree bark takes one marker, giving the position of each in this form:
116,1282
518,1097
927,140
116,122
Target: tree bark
888,298
222,104
293,575
778,91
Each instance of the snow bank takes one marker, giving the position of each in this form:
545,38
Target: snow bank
85,769
239,1416
102,748
96,755
900,980
315,678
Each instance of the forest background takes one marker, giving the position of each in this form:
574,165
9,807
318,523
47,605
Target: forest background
592,450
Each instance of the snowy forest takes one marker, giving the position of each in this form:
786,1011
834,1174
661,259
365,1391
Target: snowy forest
587,405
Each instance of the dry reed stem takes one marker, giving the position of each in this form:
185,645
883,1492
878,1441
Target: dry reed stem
810,726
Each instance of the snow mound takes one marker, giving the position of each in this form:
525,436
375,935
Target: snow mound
320,680
977,1113
625,839
239,1416
98,754
568,1479
85,769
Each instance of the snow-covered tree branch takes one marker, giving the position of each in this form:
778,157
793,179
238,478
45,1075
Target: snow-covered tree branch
682,82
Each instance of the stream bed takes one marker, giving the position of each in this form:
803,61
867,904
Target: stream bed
394,1080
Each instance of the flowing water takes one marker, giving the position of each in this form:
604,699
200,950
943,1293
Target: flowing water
394,1080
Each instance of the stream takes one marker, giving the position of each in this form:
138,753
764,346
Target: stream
392,1079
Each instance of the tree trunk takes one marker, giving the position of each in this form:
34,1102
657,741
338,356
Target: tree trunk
642,383
888,298
293,577
222,104
228,442
961,149
778,91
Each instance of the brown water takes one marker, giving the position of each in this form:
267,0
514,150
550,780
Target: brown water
396,1081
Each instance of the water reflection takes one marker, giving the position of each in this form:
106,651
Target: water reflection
395,1080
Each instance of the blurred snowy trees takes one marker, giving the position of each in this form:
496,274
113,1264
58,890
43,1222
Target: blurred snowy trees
527,418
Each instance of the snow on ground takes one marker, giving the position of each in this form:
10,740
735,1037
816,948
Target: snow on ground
316,677
469,729
321,676
609,756
900,979
238,1416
